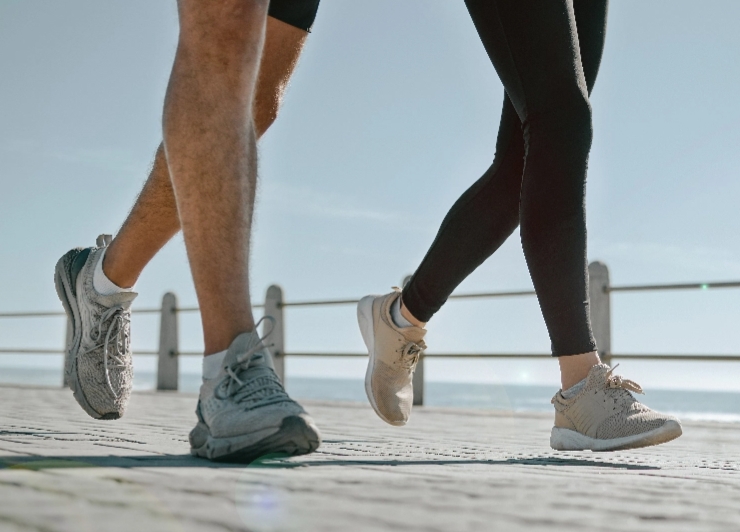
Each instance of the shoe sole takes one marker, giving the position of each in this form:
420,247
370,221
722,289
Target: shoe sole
295,436
365,321
63,285
569,440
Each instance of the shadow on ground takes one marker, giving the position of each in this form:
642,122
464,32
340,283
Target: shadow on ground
34,463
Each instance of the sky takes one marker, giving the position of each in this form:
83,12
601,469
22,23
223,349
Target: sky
390,116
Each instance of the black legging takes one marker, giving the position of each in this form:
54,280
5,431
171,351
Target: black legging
538,176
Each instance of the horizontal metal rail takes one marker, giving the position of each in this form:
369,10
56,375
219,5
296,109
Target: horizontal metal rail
61,314
197,309
146,311
674,358
629,356
324,302
40,314
31,351
430,355
44,351
520,293
353,301
633,356
680,286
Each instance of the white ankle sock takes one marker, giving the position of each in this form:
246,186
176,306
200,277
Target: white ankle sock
574,390
102,284
212,365
397,317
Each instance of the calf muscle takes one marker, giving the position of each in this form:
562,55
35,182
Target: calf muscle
154,220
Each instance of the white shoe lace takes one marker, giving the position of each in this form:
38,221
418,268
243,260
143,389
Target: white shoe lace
410,355
617,381
253,389
115,340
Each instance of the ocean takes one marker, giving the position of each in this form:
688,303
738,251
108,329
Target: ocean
687,405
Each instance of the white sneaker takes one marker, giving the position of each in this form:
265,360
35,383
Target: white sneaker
394,353
604,416
244,413
100,368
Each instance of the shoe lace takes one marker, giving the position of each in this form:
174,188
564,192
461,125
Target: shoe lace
115,340
263,390
617,381
410,355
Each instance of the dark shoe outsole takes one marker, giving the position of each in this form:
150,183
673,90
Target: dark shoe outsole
295,437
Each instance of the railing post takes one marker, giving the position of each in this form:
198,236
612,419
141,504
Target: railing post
600,298
167,363
418,382
276,340
67,359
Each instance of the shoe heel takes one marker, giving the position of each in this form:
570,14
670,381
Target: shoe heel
365,321
568,440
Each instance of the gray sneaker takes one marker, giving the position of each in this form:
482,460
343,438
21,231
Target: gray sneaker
244,413
99,367
604,416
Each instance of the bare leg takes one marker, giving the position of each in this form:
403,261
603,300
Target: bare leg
211,151
154,220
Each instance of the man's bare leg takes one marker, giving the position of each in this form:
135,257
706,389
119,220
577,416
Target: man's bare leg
211,151
153,221
209,140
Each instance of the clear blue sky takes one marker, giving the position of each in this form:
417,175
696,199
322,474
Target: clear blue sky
392,113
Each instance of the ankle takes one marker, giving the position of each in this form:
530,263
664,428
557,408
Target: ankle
113,270
410,317
575,368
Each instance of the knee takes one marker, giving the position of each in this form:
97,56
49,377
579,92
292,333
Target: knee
206,24
578,119
553,189
566,125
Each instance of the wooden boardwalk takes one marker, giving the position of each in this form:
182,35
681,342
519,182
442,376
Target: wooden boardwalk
448,470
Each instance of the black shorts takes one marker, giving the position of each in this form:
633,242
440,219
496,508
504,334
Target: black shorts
298,13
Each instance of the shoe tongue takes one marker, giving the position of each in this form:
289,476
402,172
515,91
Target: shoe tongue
123,299
599,372
414,334
244,343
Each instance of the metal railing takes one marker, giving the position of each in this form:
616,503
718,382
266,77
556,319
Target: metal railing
600,290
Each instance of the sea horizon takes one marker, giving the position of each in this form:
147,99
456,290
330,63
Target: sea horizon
689,405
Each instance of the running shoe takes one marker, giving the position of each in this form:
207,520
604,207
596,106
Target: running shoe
605,416
394,353
244,413
99,368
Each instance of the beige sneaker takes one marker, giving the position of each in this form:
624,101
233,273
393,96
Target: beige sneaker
394,353
604,416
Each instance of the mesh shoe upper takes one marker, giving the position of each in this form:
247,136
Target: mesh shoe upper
101,352
393,360
605,408
247,396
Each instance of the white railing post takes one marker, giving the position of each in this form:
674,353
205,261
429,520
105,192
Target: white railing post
418,382
167,363
600,299
276,340
67,359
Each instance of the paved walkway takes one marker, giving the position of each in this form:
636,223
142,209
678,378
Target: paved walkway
448,470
